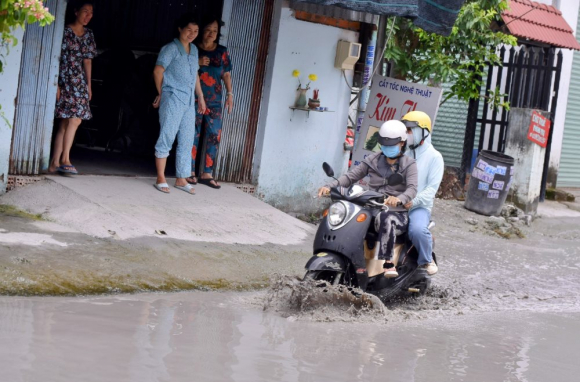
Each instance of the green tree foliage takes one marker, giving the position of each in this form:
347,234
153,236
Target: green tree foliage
460,59
18,13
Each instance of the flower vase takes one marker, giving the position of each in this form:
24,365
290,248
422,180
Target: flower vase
301,97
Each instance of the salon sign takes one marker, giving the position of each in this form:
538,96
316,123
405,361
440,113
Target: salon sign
391,99
539,129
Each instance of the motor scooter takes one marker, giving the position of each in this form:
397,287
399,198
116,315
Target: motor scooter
346,247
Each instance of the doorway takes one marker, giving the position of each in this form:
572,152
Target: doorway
120,137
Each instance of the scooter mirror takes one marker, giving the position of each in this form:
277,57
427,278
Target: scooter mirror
328,170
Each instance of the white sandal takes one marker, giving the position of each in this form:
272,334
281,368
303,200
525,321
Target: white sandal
187,188
391,272
161,186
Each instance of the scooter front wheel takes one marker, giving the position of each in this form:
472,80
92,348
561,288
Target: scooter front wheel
331,277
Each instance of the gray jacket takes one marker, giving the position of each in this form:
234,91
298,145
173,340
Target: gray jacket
369,166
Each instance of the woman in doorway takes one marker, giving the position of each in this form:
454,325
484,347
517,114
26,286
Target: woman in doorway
215,67
74,85
176,78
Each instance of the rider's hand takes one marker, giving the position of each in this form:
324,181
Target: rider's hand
409,205
323,191
392,201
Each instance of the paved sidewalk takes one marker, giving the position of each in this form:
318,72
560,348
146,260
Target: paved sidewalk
128,208
100,234
575,205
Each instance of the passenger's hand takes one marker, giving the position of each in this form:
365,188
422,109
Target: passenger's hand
392,201
229,103
323,191
58,93
90,93
203,61
409,205
201,108
157,101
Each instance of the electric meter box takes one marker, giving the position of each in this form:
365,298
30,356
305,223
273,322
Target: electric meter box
347,54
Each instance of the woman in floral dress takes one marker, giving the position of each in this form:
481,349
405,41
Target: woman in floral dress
215,67
74,85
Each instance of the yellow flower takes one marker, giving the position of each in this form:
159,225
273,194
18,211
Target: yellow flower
312,77
295,73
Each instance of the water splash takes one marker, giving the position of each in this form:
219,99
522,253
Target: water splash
320,301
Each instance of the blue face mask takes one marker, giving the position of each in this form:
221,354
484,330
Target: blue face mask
391,151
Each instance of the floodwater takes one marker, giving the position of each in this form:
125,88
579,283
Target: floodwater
210,336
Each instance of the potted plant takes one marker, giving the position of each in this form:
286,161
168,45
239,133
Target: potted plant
301,91
314,102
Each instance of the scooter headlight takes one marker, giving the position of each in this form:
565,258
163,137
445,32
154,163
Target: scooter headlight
336,214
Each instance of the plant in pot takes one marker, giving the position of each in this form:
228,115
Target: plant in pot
314,102
301,91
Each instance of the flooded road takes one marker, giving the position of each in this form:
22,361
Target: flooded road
499,310
197,336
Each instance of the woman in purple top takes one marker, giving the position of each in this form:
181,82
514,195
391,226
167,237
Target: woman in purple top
215,67
74,85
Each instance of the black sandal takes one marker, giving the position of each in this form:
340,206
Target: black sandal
192,181
208,182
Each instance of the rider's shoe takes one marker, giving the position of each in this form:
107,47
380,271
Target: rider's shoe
390,270
431,268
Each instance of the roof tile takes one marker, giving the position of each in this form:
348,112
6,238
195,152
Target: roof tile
539,22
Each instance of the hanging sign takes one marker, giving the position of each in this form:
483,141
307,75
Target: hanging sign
539,129
391,99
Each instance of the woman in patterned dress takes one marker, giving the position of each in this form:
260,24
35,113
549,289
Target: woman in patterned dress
215,67
74,85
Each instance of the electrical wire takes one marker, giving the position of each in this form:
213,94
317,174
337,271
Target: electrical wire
376,67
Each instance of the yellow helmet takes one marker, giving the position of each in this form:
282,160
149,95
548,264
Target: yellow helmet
417,118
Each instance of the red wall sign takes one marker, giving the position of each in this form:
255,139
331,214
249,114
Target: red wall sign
539,129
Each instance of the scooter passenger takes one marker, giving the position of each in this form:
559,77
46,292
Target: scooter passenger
393,174
430,167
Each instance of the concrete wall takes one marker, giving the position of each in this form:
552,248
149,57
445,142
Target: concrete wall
289,153
569,10
8,91
528,161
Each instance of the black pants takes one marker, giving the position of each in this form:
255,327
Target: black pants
389,225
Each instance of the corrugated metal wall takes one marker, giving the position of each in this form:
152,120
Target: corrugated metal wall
37,94
569,171
247,43
449,130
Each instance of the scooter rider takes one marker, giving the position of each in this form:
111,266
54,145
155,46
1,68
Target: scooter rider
391,173
430,167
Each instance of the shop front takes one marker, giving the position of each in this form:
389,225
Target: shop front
120,137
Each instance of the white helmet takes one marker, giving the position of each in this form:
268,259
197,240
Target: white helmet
392,132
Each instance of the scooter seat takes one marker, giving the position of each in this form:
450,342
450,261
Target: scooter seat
401,239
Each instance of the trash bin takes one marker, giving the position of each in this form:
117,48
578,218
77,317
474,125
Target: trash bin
489,183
